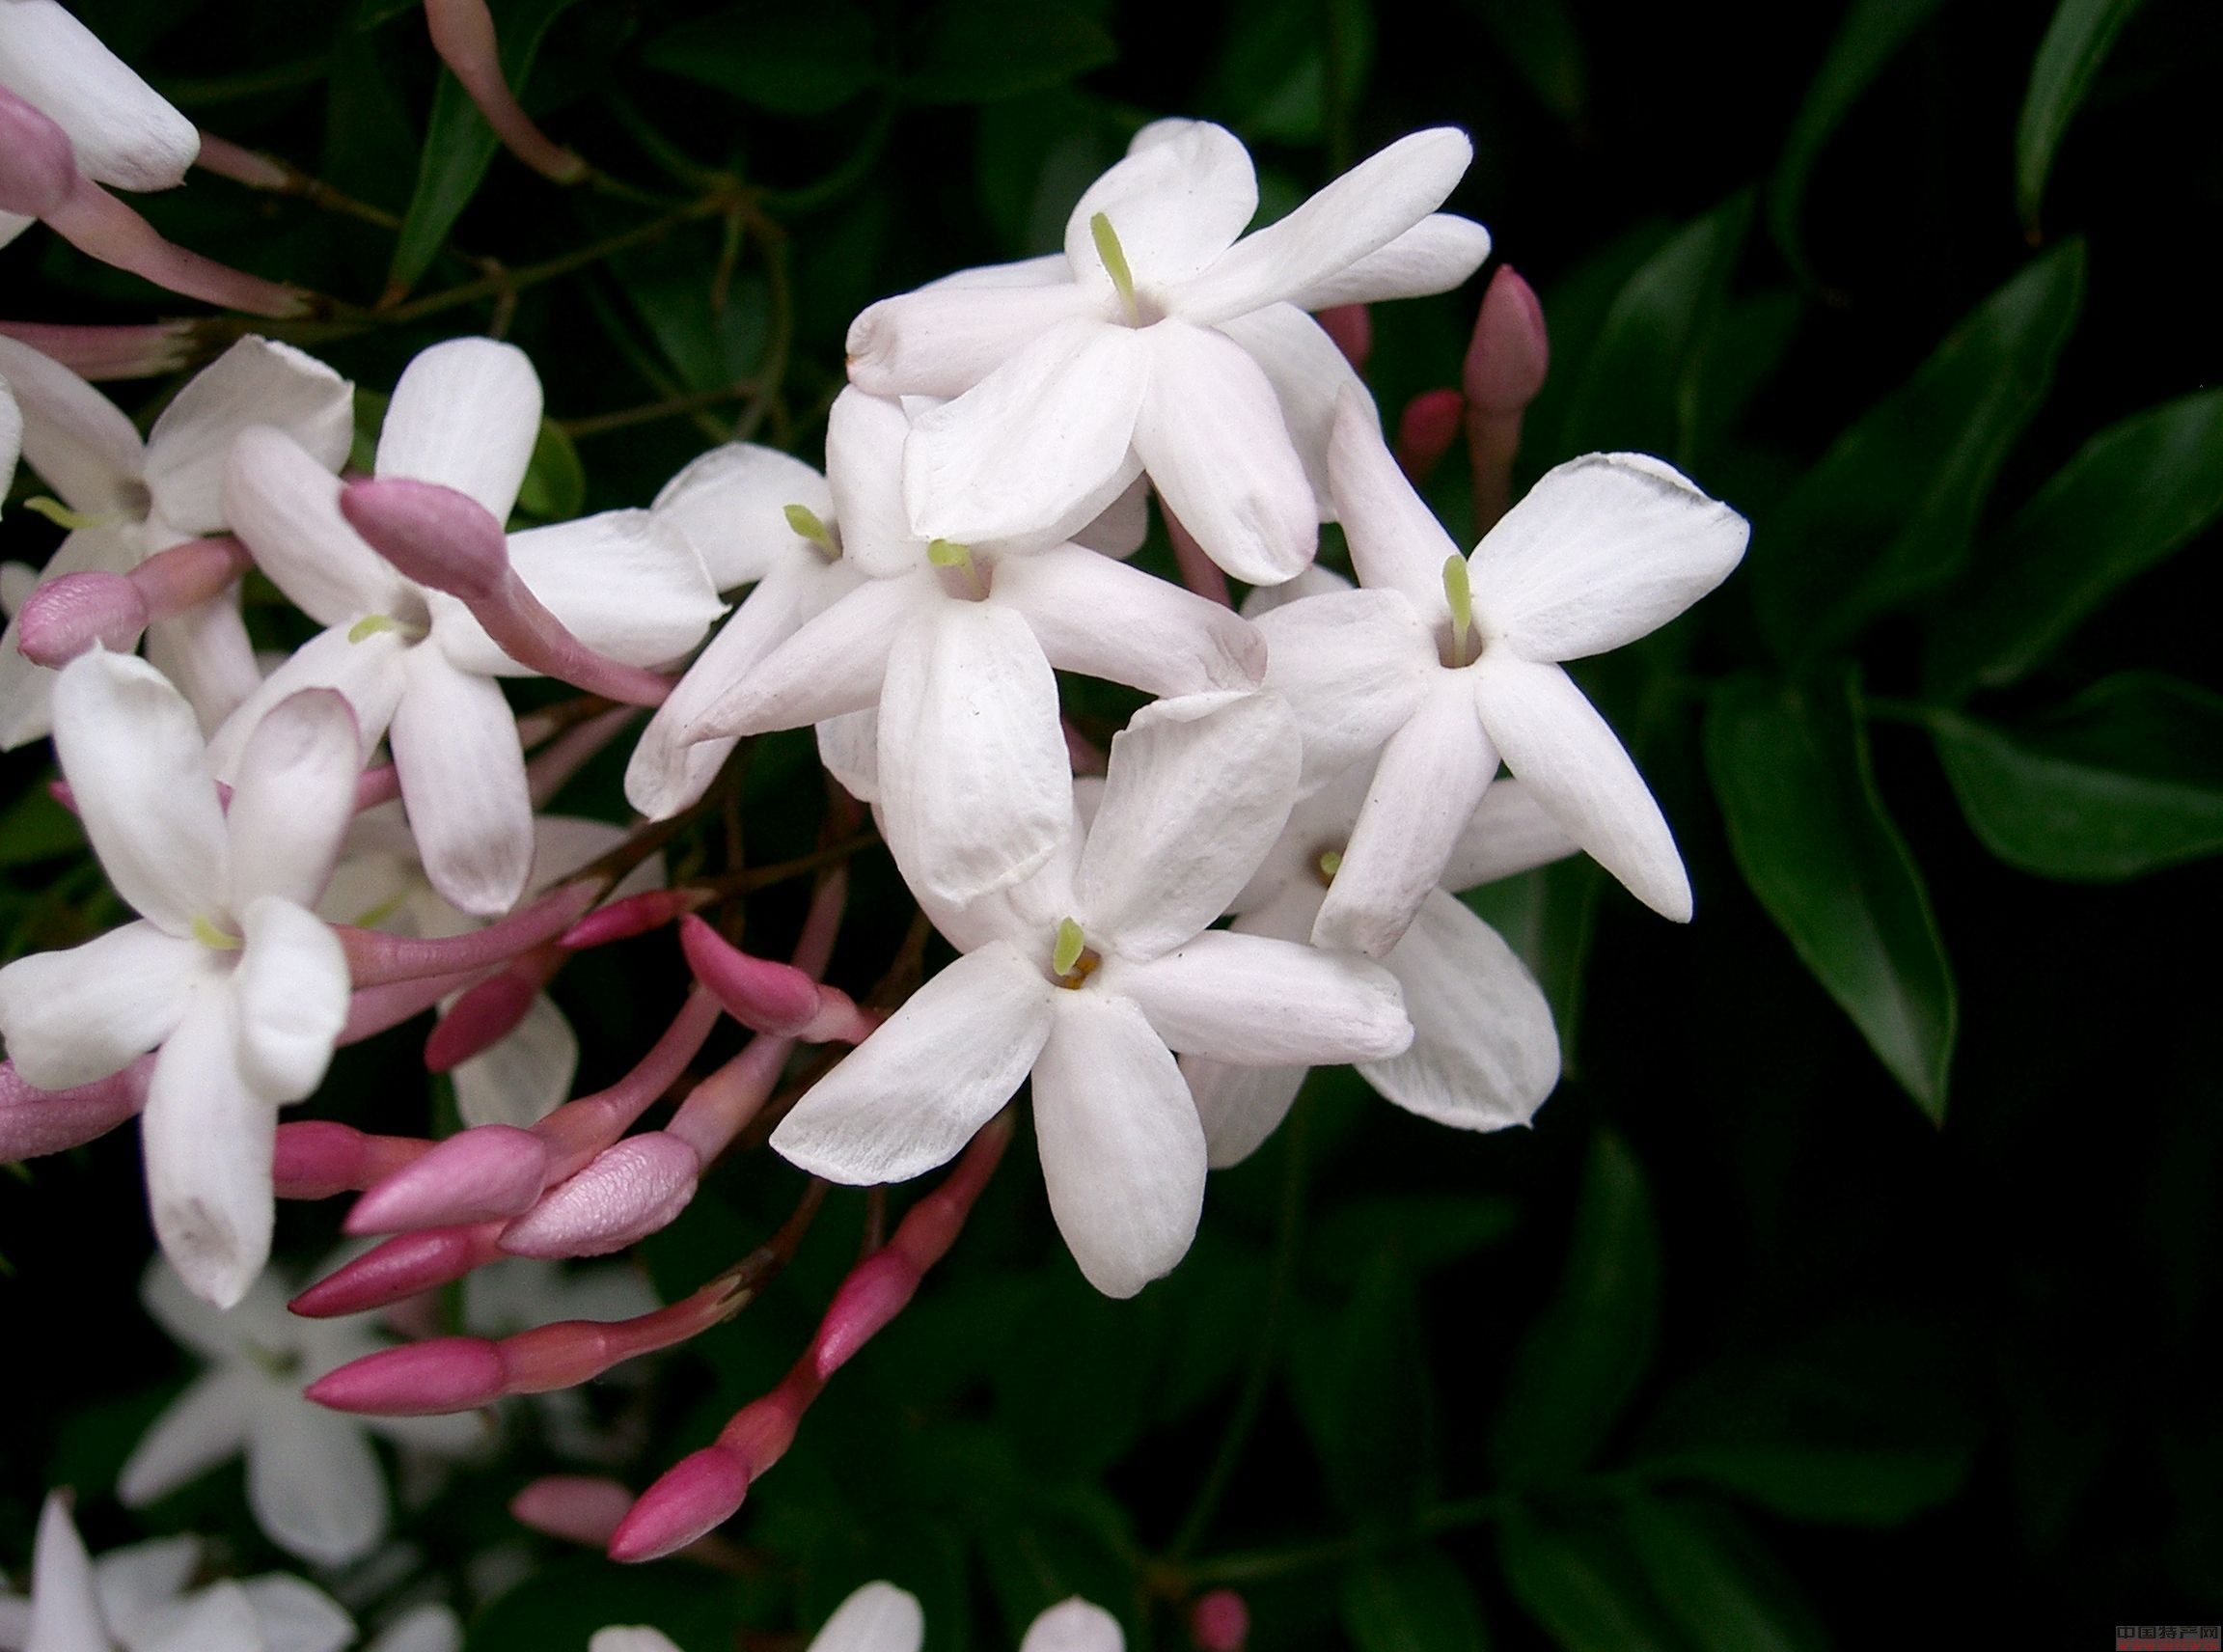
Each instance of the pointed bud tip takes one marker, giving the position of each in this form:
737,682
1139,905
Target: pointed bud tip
434,535
482,1017
877,1289
629,1192
696,1494
1511,350
487,1172
37,165
65,617
422,1379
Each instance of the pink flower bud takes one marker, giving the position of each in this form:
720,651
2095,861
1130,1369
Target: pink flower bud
696,1495
482,1018
375,1008
877,1289
437,536
635,914
1220,1621
1430,425
463,35
575,1506
630,1191
37,165
399,1268
1352,328
66,617
421,1379
316,1158
476,1175
1506,362
756,992
35,1121
103,353
375,957
187,575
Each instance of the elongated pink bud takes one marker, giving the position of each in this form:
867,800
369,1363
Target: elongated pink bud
1220,1622
398,1269
421,1379
463,35
185,576
376,786
877,1289
476,1175
1198,571
1425,431
631,1190
375,1008
635,914
34,1121
375,957
577,1508
1352,327
1507,363
98,224
65,617
315,1158
102,352
717,1109
692,1497
757,992
482,1018
38,163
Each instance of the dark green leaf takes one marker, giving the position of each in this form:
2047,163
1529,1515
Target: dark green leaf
1361,1379
37,828
1870,38
554,486
793,60
460,143
1080,1376
1888,513
1581,1585
1578,1367
1034,157
977,51
2125,781
1273,79
1415,1603
1423,1230
569,1593
2132,494
1715,1580
1815,844
1540,40
2067,58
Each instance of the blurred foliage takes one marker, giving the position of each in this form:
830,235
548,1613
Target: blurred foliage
1736,1349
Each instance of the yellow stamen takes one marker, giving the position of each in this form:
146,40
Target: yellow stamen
205,932
1460,596
1070,942
1331,862
60,514
948,553
370,625
1114,257
807,525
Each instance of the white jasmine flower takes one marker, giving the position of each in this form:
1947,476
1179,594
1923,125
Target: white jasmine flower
413,662
954,646
10,449
227,974
1443,664
1160,341
312,1481
129,499
1089,975
881,1617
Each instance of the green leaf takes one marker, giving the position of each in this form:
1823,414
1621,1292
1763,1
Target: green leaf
460,143
2125,780
1541,41
975,51
2132,494
1415,1603
1360,1380
1578,1367
1272,80
37,828
792,60
1889,512
1640,387
1549,917
2067,58
1814,842
554,486
1423,1230
1581,1585
1715,1580
1870,38
565,1593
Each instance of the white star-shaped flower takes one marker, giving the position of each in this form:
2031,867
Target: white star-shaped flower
881,1617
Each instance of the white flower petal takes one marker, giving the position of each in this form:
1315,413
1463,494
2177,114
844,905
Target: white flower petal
1396,543
1262,1001
1553,739
10,444
294,799
1484,1052
284,504
219,1618
126,133
865,436
1122,1152
1366,209
1047,269
1121,527
314,1482
849,746
1509,834
1032,448
462,774
214,1333
974,780
1075,1626
1105,619
64,1608
369,672
1433,256
1199,790
520,1079
289,994
1352,666
297,1617
1430,781
26,690
423,1629
132,753
1210,434
465,413
945,338
205,650
636,1638
132,1579
731,505
207,1139
1239,1107
1602,550
833,663
76,439
204,1427
1310,378
915,1092
74,1016
1176,202
256,382
878,1617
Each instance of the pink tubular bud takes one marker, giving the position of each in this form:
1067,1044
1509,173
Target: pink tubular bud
1430,425
38,164
101,352
482,1018
463,35
635,914
375,1008
421,1379
576,1507
769,996
877,1289
1352,328
631,1190
35,1122
228,159
490,1171
375,958
1507,363
77,612
1220,1622
185,576
315,1158
98,224
695,1496
399,1269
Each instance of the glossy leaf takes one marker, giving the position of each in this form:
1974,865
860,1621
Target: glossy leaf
2069,56
793,60
1889,512
37,828
1361,1386
1713,1579
1272,81
2133,494
1582,1587
975,51
1579,1366
1814,842
554,486
2125,780
1416,1602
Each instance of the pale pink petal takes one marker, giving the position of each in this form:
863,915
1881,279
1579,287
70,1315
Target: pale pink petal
314,1482
65,1607
916,1091
76,439
126,133
523,1078
294,799
1075,1626
204,1427
1122,1152
1105,619
466,414
1262,1001
1239,1107
290,997
945,338
833,663
256,382
74,1016
1433,256
368,671
207,1139
284,504
462,774
1176,202
1553,739
1509,834
878,1617
865,436
731,505
1396,543
1310,378
1353,665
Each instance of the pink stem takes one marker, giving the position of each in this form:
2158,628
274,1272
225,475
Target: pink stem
1507,363
96,223
572,751
316,1158
374,1009
375,958
228,159
102,352
635,914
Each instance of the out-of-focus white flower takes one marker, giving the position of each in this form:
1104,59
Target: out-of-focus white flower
1158,342
1441,664
881,1617
413,662
1089,975
312,1481
131,498
241,987
10,449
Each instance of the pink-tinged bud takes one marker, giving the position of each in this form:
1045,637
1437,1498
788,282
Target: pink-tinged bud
185,576
98,224
101,352
1198,571
696,1495
399,1268
482,1018
228,159
1352,328
630,1191
476,1175
1431,423
437,536
1506,362
77,612
373,786
34,1121
37,165
1220,1622
315,1158
717,1109
375,957
635,914
576,1507
422,1379
877,1289
376,1008
463,35
759,993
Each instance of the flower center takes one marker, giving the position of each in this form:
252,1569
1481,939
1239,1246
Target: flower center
807,526
371,624
1071,961
209,934
961,576
1458,594
1325,868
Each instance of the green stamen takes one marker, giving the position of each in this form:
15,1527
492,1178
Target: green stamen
208,935
948,553
1461,596
805,523
370,625
60,514
1331,862
1070,942
1114,257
